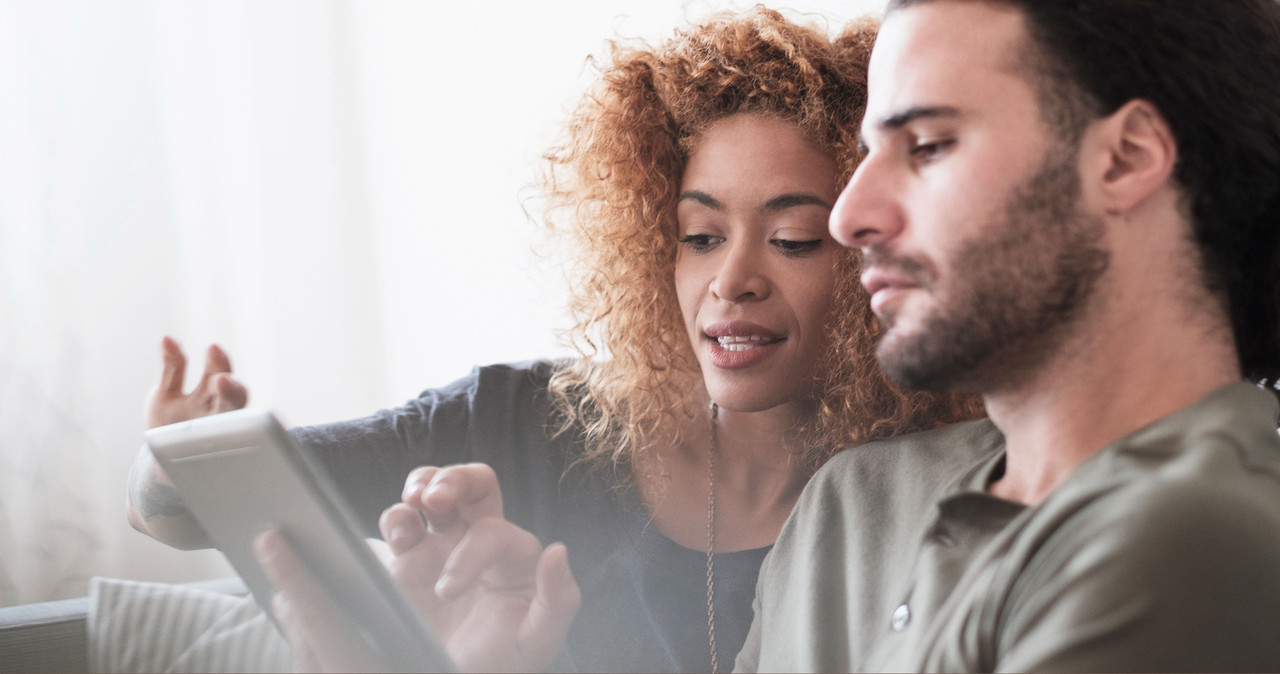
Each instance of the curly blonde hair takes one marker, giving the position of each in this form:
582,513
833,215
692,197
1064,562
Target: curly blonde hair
611,189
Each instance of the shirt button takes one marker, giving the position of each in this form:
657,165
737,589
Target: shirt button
901,616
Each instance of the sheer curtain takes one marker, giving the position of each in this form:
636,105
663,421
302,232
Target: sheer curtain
330,190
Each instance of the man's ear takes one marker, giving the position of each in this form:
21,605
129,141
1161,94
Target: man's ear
1141,154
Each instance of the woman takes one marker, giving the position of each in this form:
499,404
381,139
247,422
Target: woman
727,348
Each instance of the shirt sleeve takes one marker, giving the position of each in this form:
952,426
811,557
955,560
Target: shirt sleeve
1168,579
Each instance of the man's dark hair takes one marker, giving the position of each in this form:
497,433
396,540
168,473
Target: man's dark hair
1212,69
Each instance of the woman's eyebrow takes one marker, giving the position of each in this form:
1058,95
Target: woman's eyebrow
778,203
701,198
785,201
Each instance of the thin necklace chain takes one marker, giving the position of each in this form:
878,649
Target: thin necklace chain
711,541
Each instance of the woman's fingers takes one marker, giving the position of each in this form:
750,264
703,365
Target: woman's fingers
494,551
216,392
295,633
468,492
215,362
416,483
402,528
554,606
470,489
229,394
418,555
174,368
310,619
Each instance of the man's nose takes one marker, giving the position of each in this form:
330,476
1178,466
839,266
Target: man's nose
868,212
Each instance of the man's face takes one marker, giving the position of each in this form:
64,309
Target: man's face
976,255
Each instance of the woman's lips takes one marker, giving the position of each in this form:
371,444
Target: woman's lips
738,344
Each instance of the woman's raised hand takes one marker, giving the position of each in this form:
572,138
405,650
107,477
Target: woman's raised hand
217,391
153,506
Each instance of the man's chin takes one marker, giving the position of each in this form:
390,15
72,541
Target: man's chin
912,365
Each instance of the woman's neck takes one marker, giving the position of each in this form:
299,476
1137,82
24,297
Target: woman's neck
757,479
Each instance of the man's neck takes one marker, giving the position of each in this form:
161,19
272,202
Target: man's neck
1052,427
1142,353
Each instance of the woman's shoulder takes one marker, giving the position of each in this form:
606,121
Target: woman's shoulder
526,375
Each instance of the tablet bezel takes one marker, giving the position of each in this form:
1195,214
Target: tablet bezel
241,473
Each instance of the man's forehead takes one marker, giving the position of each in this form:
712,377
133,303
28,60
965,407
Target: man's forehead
942,53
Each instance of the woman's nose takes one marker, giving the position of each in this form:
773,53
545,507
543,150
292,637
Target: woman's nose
741,275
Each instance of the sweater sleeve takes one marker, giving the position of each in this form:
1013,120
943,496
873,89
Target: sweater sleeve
495,415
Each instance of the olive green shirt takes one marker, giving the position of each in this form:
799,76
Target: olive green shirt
1159,552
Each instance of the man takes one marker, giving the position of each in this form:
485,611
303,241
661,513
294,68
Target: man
1071,207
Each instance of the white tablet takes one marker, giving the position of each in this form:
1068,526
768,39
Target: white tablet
240,473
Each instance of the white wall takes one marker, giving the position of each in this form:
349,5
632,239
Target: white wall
330,190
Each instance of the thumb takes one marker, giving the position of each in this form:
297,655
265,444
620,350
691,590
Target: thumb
555,603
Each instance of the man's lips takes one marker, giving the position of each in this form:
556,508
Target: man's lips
884,286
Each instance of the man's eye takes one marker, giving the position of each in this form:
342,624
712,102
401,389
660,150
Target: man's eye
931,150
794,247
698,243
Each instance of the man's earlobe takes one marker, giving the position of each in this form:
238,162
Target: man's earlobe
1142,154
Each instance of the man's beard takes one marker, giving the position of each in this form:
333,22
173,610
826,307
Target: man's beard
1015,288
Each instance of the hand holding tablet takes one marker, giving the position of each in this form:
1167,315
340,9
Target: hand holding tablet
241,474
460,575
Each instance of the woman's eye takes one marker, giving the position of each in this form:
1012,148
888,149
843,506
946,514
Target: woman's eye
795,247
698,243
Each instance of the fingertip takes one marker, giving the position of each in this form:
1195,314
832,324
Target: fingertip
415,483
560,557
412,494
231,393
218,358
439,496
556,559
401,527
557,598
444,492
266,545
472,489
173,366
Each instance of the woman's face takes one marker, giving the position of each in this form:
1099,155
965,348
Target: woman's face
755,268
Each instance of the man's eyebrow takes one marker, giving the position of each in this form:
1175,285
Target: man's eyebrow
785,201
701,198
900,119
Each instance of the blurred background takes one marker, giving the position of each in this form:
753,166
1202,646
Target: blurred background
334,191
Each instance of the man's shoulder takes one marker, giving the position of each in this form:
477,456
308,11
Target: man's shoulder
1205,491
947,450
1209,481
902,475
1223,456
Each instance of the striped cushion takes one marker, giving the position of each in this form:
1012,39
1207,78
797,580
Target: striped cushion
159,627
